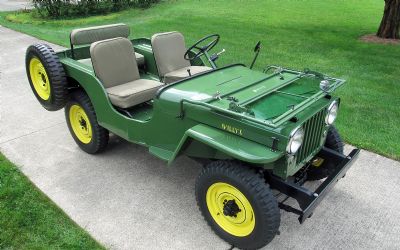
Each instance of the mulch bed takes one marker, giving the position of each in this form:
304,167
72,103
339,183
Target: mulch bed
372,38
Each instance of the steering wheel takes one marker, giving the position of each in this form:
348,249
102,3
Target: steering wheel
202,49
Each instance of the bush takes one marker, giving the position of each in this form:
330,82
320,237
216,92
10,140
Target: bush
72,8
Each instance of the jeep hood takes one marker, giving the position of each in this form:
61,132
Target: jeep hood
259,95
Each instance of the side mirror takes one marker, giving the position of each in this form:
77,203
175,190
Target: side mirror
258,47
257,51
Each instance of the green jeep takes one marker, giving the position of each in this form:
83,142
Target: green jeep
258,134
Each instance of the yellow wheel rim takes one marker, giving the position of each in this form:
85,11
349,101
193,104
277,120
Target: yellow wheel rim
230,209
39,78
80,123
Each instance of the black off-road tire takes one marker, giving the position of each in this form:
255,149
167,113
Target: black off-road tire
258,193
55,72
100,135
334,142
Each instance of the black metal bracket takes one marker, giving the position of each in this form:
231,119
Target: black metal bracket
274,146
308,200
312,72
72,47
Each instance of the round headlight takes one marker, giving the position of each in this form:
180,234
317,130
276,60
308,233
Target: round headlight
332,113
295,141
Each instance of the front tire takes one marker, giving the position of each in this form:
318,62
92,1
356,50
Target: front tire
82,124
237,204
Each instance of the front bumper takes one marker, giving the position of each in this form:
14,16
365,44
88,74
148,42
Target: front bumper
309,200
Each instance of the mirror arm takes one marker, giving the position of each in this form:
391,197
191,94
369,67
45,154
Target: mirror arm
257,50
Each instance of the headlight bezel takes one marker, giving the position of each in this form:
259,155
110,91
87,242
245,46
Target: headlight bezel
295,135
332,112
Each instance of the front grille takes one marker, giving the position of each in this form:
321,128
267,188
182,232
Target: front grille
313,129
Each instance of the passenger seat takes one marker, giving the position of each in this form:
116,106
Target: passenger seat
90,35
115,65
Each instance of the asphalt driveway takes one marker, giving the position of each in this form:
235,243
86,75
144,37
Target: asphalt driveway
9,5
128,199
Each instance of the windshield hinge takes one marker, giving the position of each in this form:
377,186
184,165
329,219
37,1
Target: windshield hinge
235,107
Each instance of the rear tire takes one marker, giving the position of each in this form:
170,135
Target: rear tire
82,124
237,204
46,76
334,142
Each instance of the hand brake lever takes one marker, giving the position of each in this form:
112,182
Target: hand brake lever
214,57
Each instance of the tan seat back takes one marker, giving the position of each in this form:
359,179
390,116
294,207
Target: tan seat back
114,61
97,33
169,49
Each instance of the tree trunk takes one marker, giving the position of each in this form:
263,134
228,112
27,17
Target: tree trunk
390,24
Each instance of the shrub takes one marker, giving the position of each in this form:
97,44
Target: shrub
72,8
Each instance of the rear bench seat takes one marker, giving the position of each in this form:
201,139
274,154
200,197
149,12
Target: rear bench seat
90,35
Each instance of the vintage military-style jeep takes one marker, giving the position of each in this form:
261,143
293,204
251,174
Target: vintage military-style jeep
257,133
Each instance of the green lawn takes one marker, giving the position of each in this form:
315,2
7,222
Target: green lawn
29,220
321,35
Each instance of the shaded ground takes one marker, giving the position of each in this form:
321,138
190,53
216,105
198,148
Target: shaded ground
128,199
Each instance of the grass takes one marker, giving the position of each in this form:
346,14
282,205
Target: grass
29,220
321,35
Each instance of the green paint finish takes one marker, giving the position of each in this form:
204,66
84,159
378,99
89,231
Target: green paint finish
229,144
273,105
229,113
142,112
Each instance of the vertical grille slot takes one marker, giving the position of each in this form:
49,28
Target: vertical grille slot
313,129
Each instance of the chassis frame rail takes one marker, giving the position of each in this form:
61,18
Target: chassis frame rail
308,200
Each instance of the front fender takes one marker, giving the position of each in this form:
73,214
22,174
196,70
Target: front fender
229,144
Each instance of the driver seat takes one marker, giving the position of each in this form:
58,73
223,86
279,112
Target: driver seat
169,49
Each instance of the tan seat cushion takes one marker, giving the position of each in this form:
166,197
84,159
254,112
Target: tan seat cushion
115,65
86,61
139,60
133,93
183,73
97,33
114,61
169,49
